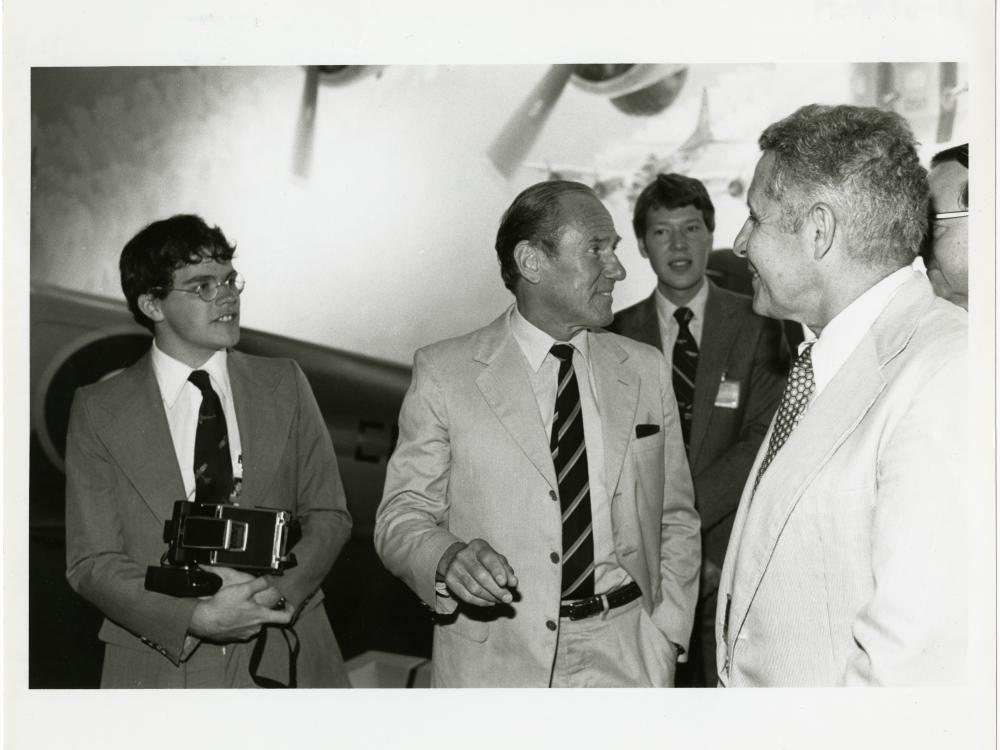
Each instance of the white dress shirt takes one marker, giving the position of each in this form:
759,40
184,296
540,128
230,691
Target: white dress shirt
182,400
669,327
543,370
842,335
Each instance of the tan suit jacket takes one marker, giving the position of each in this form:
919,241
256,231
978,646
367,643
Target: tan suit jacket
473,461
847,566
123,479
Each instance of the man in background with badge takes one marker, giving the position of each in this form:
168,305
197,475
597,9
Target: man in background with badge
727,375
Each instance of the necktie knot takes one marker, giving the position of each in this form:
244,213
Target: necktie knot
199,378
803,363
683,315
562,352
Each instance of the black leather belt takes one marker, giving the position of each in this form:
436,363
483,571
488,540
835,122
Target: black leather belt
579,609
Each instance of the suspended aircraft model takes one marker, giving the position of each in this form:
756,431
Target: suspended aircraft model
722,165
642,90
635,89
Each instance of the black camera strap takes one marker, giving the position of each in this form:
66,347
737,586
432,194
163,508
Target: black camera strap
292,643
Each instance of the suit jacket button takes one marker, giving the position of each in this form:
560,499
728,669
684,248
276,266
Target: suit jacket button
553,495
554,557
550,625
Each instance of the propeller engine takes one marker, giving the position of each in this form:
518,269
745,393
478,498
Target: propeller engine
635,89
328,75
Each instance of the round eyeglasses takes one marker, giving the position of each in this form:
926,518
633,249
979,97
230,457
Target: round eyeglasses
209,290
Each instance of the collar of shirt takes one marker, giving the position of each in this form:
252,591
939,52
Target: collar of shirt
172,375
841,335
536,343
668,323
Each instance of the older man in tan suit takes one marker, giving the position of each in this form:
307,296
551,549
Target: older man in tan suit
538,499
846,564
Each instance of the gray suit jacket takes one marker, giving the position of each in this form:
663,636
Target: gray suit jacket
473,460
122,480
747,348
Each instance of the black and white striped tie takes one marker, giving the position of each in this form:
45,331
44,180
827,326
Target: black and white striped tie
569,455
685,367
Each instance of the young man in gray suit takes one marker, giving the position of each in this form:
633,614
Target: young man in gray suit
193,420
538,499
726,374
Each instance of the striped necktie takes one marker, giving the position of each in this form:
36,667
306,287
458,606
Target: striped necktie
213,466
798,390
569,456
685,367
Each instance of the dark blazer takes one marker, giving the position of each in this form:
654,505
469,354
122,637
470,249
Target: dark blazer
122,481
724,442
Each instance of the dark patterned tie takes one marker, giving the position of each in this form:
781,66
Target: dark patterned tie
213,466
685,367
569,455
798,390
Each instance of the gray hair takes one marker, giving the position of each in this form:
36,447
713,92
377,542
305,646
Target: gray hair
862,161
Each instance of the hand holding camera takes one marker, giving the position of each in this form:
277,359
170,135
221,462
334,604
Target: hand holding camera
238,610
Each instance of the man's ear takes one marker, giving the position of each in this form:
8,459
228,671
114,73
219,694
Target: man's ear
150,307
642,247
528,260
822,228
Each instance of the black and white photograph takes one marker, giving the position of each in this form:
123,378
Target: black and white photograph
399,371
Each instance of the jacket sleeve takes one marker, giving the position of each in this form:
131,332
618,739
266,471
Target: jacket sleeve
411,533
720,484
680,540
914,628
320,502
99,564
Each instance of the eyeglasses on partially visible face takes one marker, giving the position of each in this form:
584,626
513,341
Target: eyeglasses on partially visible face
944,216
209,290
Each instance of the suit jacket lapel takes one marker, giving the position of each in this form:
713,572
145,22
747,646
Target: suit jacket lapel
263,414
617,388
717,337
827,423
505,385
138,437
647,323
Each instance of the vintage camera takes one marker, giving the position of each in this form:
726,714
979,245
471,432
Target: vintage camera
256,540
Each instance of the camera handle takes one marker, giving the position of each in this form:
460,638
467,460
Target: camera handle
185,581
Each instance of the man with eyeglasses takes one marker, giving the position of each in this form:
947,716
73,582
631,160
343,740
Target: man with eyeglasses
946,254
150,436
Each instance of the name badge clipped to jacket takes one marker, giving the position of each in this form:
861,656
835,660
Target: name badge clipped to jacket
728,396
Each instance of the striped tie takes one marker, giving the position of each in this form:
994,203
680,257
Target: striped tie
213,466
569,455
798,390
685,367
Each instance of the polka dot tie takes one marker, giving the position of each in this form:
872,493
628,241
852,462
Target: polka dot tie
798,390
